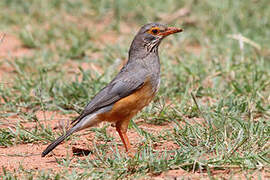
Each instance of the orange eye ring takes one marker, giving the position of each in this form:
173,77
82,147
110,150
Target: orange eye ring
154,31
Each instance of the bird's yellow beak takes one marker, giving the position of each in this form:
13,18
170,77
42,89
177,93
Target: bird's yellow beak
171,30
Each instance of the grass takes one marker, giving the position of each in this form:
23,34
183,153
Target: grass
214,90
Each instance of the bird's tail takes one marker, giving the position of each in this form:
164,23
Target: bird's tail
82,123
58,141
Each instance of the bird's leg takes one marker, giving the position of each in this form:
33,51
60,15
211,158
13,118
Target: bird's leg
124,138
121,128
123,135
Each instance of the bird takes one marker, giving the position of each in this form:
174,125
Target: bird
133,88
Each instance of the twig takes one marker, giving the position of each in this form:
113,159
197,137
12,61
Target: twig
242,40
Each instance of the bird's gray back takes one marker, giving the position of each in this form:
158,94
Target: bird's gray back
130,78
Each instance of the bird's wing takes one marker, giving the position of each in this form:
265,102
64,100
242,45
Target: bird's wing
125,83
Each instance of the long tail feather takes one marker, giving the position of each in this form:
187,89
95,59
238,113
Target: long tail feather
82,123
58,141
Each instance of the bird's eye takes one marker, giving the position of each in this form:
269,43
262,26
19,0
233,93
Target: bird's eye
154,31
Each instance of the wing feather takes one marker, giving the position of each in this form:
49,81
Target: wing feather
125,83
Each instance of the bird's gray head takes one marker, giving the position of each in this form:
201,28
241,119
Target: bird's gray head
149,37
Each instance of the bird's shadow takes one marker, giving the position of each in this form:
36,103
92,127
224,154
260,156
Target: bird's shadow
80,152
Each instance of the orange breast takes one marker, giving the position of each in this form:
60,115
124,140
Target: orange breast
126,108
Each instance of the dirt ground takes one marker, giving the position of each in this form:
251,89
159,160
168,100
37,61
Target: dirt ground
29,155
